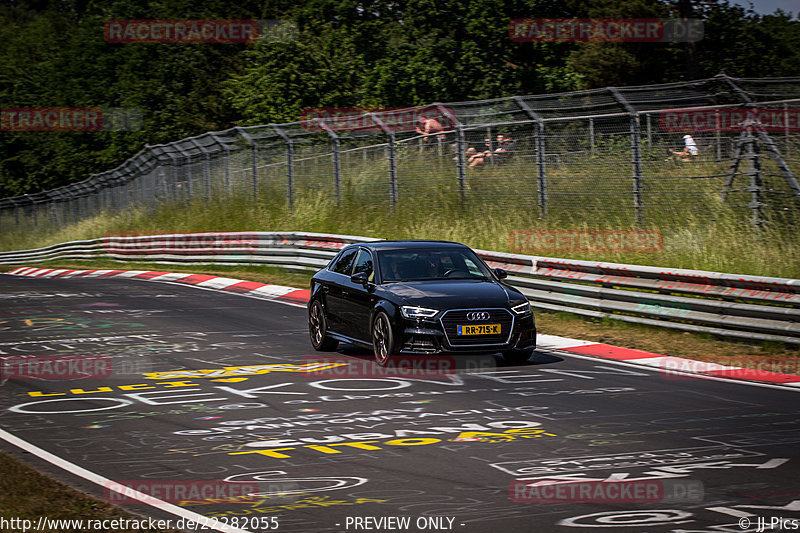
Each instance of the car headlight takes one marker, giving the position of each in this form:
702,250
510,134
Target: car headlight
417,312
522,309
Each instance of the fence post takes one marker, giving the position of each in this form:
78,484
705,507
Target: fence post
786,130
254,172
173,190
717,136
636,154
337,164
224,147
188,173
392,158
636,159
756,181
289,164
207,172
540,166
461,164
140,177
71,212
53,213
227,170
85,209
206,169
539,144
101,194
161,185
186,163
461,149
254,158
786,172
130,197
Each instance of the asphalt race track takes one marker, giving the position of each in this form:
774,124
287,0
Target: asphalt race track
217,406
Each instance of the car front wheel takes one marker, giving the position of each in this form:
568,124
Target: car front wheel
382,338
318,329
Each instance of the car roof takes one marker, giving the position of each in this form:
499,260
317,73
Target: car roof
409,244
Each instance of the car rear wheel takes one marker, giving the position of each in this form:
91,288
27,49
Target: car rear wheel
382,338
517,357
318,329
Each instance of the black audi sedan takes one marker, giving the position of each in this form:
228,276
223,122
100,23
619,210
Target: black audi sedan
418,297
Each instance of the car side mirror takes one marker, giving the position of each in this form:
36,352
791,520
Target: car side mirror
500,273
360,278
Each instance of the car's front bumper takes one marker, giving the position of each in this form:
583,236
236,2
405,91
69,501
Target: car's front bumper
432,336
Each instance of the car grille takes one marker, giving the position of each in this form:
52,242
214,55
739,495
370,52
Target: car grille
420,343
452,319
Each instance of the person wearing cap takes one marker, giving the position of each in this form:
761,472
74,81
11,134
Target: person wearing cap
689,149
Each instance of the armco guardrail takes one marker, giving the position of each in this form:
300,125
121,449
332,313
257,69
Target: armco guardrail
748,307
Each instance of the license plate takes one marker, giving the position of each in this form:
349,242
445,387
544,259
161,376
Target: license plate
479,329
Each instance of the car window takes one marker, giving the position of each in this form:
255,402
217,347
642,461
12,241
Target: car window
364,264
419,265
345,263
473,269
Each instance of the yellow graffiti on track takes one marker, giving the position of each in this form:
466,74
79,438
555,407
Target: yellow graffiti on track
236,371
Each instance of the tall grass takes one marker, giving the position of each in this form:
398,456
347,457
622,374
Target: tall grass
681,200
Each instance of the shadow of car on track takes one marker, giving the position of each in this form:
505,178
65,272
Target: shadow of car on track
433,365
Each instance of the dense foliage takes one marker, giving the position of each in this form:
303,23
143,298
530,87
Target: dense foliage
381,53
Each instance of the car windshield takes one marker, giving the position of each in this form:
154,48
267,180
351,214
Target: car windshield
426,264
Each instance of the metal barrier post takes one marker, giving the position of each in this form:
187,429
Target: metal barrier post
337,164
254,158
538,139
392,157
636,158
206,169
461,149
461,163
756,181
289,164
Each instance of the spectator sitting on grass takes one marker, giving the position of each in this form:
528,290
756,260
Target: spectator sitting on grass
477,159
689,149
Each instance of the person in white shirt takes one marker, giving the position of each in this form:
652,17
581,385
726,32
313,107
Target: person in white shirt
689,149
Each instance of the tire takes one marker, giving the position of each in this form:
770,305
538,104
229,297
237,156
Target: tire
517,357
318,329
382,338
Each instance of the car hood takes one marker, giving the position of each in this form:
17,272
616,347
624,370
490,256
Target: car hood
453,294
